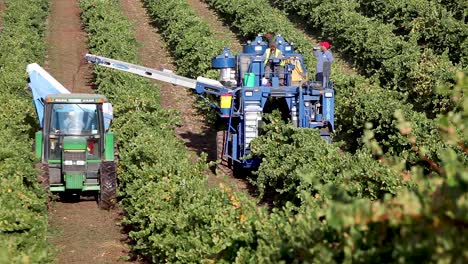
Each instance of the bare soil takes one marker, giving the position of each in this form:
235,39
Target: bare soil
67,47
81,231
196,134
221,30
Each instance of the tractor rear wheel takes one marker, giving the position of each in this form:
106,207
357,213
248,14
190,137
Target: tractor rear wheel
107,196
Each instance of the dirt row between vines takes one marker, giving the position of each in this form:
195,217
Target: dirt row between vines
221,30
196,134
81,232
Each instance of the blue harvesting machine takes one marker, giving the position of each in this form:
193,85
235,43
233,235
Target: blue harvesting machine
251,84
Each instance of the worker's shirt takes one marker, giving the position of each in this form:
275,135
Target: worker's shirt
267,55
321,58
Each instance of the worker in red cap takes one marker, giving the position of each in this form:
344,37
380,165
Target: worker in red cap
323,54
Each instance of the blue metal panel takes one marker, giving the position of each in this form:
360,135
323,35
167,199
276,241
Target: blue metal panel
223,63
328,103
225,112
235,147
251,163
224,60
288,49
256,67
283,45
302,118
258,46
311,98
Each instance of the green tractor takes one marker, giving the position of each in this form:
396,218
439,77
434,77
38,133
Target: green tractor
76,152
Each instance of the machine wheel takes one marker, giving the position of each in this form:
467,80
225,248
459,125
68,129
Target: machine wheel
107,197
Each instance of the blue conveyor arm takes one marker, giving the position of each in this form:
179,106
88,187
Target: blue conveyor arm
201,85
42,84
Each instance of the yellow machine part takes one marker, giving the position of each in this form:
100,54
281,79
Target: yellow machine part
226,101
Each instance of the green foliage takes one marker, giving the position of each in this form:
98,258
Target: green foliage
297,160
397,61
23,214
335,223
172,215
344,216
434,25
458,9
192,42
357,101
426,223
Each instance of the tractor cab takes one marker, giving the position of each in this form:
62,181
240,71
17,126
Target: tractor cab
73,123
73,145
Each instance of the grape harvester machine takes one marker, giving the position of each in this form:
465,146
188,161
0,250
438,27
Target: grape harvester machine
250,85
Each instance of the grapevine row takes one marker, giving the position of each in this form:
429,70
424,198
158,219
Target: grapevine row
355,229
296,161
459,9
357,102
23,213
172,215
398,63
273,242
194,45
176,219
163,18
435,26
340,224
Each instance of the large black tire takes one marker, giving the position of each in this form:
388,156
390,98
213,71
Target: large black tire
107,197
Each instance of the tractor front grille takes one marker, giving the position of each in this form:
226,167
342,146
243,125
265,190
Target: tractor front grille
74,160
74,155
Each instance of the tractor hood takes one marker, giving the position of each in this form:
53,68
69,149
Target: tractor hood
74,143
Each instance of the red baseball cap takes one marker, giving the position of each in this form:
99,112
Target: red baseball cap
325,44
